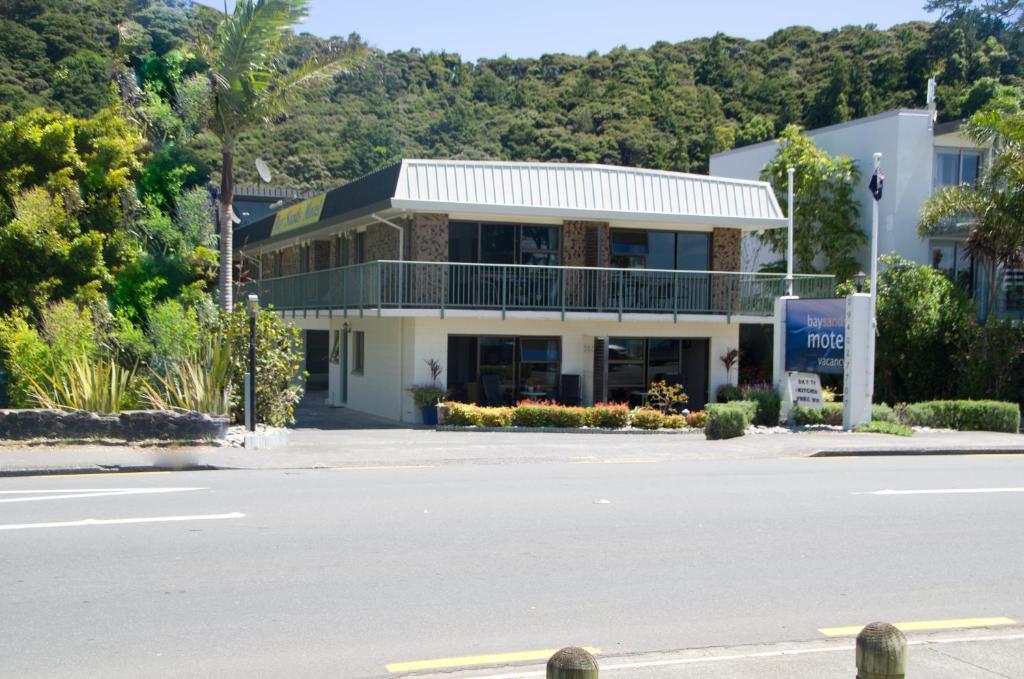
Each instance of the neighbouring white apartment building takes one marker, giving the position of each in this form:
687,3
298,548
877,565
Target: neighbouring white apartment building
579,283
918,156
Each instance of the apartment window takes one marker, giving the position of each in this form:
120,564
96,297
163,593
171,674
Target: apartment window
494,243
346,246
358,352
954,167
671,250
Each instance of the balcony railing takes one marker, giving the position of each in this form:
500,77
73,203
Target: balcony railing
380,285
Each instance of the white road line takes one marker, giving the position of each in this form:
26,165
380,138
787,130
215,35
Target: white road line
38,495
843,648
942,491
113,522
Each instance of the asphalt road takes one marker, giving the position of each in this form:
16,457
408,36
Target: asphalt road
340,573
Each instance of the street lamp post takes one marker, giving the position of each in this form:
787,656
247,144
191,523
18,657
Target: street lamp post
859,278
253,307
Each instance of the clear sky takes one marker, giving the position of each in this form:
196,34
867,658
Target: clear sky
529,28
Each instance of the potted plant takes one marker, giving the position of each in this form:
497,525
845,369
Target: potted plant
427,396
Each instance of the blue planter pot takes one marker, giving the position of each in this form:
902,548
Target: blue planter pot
429,415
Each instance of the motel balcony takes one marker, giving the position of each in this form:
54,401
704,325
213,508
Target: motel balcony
411,288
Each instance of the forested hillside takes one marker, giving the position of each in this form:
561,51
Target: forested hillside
666,106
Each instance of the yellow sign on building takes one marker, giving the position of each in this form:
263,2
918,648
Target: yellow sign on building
301,214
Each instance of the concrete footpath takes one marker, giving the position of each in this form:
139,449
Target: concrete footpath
959,654
311,448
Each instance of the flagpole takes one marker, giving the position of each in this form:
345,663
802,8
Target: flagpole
874,283
789,243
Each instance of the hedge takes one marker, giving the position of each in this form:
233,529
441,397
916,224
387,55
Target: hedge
964,415
727,420
831,414
549,414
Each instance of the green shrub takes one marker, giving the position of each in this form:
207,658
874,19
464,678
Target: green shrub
697,419
964,415
35,356
279,376
609,415
546,414
727,393
674,422
768,406
462,414
881,412
93,385
174,333
726,421
567,417
883,427
468,415
200,382
831,414
495,417
647,418
749,408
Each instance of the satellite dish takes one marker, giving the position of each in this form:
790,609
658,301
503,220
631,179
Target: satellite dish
263,170
235,219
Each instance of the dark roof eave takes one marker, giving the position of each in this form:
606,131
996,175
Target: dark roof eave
298,233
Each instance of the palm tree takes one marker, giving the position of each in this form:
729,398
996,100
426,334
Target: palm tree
994,206
249,86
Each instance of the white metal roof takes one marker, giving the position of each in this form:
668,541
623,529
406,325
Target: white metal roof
578,191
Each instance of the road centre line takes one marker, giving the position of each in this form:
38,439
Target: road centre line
114,522
942,491
471,660
924,626
40,495
843,648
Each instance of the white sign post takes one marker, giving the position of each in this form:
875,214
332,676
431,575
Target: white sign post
858,373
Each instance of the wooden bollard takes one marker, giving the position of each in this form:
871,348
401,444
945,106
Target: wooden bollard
881,652
572,663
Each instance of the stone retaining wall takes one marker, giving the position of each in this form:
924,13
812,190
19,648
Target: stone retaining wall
133,425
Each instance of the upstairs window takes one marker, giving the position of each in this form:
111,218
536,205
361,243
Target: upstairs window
678,250
954,167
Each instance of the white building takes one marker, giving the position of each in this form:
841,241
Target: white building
582,283
917,157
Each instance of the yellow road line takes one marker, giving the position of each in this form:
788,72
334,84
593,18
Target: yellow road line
383,466
471,660
924,625
65,476
614,461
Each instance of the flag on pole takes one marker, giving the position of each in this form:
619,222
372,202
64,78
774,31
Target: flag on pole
877,179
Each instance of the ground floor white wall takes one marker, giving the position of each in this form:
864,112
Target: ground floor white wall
397,350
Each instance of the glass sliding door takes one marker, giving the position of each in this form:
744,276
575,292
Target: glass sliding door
626,374
540,364
516,367
635,362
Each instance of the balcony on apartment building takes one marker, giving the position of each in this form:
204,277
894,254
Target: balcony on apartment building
398,288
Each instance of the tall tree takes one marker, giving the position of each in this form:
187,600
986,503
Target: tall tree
826,218
994,206
831,102
248,86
